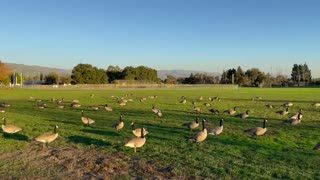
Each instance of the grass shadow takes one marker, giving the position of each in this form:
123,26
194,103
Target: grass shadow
87,141
101,132
19,137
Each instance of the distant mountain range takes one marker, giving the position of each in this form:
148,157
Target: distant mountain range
28,70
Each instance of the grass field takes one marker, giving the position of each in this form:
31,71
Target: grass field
284,152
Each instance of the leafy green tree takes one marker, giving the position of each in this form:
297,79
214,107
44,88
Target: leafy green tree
87,74
52,78
255,76
301,73
140,73
114,73
170,80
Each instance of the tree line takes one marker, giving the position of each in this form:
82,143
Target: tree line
88,74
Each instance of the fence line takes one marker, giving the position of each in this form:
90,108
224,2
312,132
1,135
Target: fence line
131,86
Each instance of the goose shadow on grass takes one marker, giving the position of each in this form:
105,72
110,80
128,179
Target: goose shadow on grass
19,137
64,122
88,141
101,132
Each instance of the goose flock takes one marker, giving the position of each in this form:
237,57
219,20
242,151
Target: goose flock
140,133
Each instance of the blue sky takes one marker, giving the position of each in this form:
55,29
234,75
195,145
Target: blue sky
208,35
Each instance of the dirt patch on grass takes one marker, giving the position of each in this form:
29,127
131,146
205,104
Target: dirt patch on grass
73,163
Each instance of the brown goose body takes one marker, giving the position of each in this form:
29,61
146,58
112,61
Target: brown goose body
268,106
231,111
94,107
137,142
200,136
155,110
217,130
297,116
9,129
137,132
317,147
75,105
316,104
257,131
2,110
192,125
214,111
294,121
283,112
46,138
196,109
108,108
86,120
119,125
159,113
244,115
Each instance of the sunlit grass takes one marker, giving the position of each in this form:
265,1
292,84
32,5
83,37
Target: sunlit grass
283,152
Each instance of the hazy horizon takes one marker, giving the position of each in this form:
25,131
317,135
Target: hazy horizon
209,36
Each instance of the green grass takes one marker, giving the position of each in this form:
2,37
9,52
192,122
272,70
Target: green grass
284,152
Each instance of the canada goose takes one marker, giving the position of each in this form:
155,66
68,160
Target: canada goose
94,107
60,105
159,113
316,104
137,132
85,120
217,130
200,136
119,125
295,116
317,147
244,115
200,98
194,103
130,100
137,142
184,100
3,104
294,121
92,95
41,106
258,131
192,125
2,110
196,109
288,104
75,101
214,111
207,104
59,101
75,104
9,129
122,103
283,112
108,108
231,111
46,138
268,106
210,99
155,110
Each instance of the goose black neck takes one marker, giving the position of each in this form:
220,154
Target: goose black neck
221,122
55,130
120,118
203,126
264,124
197,120
234,108
142,133
4,121
132,126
